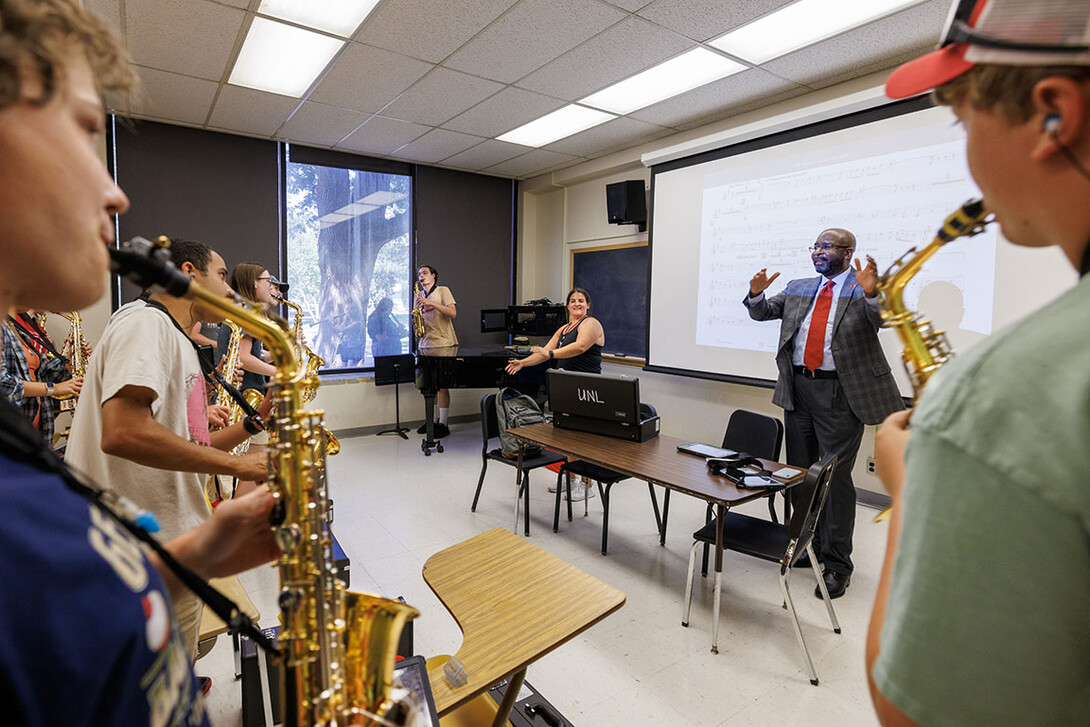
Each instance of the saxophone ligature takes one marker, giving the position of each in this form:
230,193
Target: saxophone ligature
337,649
925,349
418,314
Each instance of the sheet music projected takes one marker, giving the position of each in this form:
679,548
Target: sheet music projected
891,182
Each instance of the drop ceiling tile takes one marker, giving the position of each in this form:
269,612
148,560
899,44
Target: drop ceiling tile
428,29
170,96
631,46
366,79
439,96
530,35
530,163
630,5
381,135
194,38
251,111
714,98
737,109
436,145
870,46
705,19
320,125
620,133
510,108
486,154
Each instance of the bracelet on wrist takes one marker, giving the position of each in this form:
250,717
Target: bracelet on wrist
550,353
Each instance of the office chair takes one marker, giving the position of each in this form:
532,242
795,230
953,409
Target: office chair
490,429
781,544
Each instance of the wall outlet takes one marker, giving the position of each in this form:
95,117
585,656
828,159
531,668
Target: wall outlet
872,466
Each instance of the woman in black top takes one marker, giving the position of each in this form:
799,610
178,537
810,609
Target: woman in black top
576,346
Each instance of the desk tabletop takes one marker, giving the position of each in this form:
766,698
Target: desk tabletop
213,625
656,460
513,602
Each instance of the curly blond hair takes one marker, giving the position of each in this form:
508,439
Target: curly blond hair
43,33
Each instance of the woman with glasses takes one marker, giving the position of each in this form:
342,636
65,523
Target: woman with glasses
254,283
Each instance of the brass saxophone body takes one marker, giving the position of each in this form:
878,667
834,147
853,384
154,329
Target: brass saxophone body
73,351
314,363
337,648
303,351
229,366
418,315
925,349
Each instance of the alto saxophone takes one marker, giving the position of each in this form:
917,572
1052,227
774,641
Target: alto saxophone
925,349
418,315
314,363
303,351
337,648
73,351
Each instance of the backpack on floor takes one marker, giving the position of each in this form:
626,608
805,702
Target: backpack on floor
516,410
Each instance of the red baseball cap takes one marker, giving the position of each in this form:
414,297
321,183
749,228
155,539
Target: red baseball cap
1001,32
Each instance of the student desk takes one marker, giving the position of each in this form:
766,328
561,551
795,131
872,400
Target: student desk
514,603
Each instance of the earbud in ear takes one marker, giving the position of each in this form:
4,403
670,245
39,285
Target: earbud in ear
1051,124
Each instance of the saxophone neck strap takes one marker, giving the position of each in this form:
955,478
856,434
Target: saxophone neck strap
29,331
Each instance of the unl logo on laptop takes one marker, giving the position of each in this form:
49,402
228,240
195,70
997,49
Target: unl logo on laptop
590,395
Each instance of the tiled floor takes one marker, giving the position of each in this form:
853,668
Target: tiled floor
394,508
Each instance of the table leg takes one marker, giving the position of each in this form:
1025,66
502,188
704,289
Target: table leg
518,490
720,513
665,515
510,696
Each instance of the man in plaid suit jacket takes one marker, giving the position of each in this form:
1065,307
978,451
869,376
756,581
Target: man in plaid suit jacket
833,378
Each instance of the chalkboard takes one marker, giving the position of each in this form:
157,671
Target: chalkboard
616,278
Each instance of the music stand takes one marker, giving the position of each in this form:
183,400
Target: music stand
399,369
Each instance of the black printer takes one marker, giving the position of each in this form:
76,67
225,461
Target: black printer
604,404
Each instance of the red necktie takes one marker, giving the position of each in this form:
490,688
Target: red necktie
815,339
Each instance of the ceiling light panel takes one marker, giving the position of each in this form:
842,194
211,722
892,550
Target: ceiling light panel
560,123
340,18
801,24
281,58
682,73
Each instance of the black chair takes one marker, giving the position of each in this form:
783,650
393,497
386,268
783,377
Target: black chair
781,544
759,435
604,479
490,429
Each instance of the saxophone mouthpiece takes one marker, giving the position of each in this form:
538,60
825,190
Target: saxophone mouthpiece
148,265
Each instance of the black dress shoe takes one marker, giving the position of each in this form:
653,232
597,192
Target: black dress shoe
835,583
423,428
803,561
441,430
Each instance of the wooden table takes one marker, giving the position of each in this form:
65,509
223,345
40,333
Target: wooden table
212,625
514,603
659,463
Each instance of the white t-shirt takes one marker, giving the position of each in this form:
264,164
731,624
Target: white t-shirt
141,346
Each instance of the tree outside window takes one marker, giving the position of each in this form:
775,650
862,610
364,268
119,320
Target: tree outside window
348,250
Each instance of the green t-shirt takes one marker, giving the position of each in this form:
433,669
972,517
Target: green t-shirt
988,618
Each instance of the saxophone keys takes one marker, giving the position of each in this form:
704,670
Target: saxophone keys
288,538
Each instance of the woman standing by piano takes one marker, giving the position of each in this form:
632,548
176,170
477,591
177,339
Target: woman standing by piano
576,346
439,310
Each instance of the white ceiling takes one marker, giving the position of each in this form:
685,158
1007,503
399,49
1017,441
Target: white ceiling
435,81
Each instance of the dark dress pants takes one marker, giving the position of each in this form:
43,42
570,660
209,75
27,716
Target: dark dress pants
823,422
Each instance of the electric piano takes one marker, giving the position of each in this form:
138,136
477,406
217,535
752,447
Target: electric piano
467,367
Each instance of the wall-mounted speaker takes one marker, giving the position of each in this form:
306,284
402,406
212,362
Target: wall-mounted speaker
626,203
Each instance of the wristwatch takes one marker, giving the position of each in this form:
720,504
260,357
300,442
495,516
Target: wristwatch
550,353
49,388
